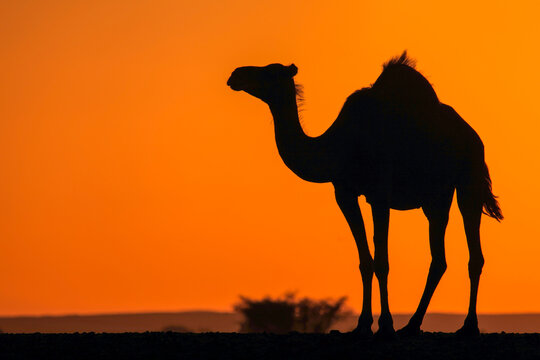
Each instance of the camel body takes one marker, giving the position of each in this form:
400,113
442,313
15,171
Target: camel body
395,158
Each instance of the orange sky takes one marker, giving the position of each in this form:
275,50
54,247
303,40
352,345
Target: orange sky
134,179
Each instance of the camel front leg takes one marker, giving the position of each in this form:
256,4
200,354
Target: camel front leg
381,218
348,203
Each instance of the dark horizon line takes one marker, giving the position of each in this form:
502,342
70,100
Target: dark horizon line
354,313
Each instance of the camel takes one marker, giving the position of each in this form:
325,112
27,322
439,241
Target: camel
395,143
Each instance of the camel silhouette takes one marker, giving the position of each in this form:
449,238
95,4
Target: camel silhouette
401,148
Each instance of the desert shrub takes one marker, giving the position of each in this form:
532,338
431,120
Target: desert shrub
287,314
267,315
318,315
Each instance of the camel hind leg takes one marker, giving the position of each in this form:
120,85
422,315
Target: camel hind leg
470,206
437,214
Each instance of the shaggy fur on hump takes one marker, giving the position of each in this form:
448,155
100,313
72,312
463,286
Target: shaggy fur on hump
401,60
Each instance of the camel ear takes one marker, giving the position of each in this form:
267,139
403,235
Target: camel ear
293,70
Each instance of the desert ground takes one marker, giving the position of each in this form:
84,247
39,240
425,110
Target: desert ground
211,335
336,345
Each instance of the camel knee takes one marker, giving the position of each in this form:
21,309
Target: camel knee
476,263
366,268
381,268
438,266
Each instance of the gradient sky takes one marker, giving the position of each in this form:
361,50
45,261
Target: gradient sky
134,179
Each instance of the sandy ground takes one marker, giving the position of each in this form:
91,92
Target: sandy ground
172,345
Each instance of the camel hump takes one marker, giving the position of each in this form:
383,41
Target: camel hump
402,85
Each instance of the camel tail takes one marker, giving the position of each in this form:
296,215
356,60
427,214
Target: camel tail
490,204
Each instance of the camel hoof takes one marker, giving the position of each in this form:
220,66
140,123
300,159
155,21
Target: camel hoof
468,332
409,331
385,334
469,329
362,332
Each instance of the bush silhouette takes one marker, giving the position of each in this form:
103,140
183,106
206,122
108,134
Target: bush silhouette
286,314
318,316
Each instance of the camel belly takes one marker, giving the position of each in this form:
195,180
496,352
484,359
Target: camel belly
405,188
398,199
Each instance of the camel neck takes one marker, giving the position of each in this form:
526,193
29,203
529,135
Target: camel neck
303,154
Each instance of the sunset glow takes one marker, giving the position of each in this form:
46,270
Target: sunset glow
133,179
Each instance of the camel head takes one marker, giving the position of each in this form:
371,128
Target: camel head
263,82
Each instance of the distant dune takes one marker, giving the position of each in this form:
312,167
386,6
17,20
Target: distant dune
206,321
